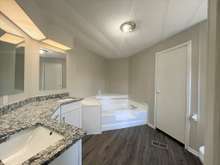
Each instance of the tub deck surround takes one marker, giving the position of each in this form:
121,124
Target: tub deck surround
39,112
10,107
118,112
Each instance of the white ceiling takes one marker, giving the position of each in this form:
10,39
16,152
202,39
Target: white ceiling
96,23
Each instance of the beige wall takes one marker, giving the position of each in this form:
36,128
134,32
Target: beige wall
217,96
19,69
141,78
213,93
7,68
117,73
86,72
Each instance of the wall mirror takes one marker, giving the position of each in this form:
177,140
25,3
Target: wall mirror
12,59
52,70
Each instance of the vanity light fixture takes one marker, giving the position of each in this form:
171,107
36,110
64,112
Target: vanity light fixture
128,26
56,44
43,51
16,14
10,38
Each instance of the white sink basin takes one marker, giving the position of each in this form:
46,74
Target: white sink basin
25,144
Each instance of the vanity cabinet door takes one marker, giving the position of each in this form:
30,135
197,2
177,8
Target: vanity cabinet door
72,156
71,114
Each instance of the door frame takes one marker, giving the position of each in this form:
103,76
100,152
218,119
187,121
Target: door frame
188,44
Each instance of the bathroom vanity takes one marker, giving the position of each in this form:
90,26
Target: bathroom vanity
48,127
70,113
72,156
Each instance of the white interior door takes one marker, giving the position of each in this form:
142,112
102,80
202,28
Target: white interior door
171,91
52,76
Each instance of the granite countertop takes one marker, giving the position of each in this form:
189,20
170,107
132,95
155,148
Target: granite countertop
40,113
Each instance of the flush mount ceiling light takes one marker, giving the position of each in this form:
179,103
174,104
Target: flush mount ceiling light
56,44
17,15
128,26
10,38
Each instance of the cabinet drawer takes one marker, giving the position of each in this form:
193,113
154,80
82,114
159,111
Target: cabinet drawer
70,107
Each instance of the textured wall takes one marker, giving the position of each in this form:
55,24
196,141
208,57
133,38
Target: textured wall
86,73
117,73
213,95
7,68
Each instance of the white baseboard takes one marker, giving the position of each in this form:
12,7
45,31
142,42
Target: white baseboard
92,132
150,125
201,157
196,153
108,127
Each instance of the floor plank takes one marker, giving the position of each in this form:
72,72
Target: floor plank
132,146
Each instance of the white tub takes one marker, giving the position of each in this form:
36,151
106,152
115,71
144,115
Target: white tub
120,112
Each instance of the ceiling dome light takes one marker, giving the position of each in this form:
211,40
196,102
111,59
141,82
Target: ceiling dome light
128,26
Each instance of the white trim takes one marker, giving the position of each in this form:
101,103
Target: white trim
199,87
91,132
107,127
80,151
189,81
201,157
189,92
151,125
202,153
194,152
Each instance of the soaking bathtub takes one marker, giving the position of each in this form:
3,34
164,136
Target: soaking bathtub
118,111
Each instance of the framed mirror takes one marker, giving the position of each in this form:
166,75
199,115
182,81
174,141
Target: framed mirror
12,61
52,70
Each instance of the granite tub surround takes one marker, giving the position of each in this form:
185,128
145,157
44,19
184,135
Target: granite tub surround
38,111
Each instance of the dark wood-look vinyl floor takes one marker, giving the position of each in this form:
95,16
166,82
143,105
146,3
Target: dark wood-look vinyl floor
132,146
